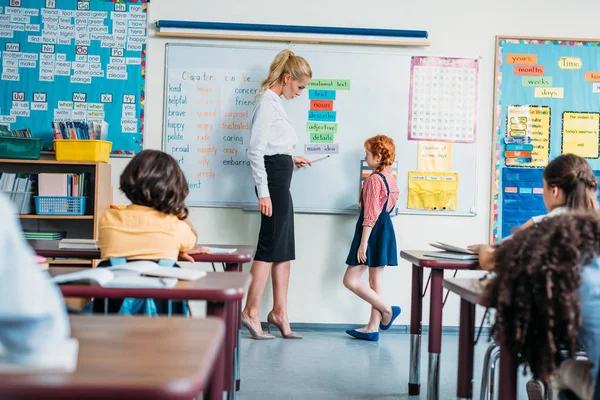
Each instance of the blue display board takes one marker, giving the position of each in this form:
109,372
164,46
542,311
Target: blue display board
74,60
547,103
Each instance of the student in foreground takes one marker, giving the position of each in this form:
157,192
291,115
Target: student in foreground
374,243
34,328
547,293
569,184
155,227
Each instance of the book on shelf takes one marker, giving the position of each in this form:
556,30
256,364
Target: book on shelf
78,244
17,182
135,274
44,235
52,184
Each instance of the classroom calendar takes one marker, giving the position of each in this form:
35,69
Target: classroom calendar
443,99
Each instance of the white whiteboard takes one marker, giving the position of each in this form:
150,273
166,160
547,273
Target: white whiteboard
216,84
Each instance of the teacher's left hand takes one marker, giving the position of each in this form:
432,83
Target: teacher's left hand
301,161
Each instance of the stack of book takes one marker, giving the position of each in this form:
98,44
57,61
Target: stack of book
44,235
78,244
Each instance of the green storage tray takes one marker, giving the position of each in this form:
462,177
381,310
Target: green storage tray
22,148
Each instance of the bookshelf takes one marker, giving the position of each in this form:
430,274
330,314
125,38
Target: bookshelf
98,200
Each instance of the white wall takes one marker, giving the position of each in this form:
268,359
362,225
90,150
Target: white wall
459,28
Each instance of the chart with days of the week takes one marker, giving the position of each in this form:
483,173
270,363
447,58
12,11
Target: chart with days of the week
73,60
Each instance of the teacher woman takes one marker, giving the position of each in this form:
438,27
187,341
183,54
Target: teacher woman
272,142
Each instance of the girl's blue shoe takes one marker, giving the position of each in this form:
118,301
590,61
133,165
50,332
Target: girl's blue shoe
371,336
396,310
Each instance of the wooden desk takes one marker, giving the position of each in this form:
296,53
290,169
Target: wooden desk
471,293
231,262
49,248
223,292
437,265
132,358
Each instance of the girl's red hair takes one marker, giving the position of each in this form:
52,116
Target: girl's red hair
383,147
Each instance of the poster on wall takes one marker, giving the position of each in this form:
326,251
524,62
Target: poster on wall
443,99
74,60
546,103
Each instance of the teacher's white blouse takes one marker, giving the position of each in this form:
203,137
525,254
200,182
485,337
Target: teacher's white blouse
271,133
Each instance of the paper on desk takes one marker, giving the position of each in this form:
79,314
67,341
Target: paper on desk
57,358
220,250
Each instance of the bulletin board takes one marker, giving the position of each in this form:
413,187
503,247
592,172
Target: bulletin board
546,103
74,60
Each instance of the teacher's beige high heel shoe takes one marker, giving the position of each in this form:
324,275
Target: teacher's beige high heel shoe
291,335
255,335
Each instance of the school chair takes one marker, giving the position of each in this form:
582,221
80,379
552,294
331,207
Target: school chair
488,378
569,395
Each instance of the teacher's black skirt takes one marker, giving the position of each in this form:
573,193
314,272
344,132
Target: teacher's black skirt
276,236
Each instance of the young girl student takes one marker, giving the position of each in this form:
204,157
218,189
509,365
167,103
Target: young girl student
155,227
568,184
374,243
546,294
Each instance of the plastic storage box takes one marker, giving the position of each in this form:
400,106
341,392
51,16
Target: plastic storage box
82,150
60,205
21,148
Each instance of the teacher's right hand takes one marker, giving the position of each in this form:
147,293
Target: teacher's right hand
265,206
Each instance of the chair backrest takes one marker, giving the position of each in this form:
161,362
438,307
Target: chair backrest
569,395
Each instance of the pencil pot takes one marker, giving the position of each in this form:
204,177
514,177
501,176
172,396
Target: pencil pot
60,205
21,148
82,150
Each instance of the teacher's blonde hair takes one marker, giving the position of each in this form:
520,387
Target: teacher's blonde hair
286,62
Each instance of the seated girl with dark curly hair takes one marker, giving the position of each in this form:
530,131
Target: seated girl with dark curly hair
547,293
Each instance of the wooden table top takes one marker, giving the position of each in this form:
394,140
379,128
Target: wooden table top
470,289
418,257
49,248
215,286
243,254
129,357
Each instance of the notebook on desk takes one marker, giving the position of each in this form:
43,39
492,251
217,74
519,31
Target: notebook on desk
452,256
450,248
136,274
221,250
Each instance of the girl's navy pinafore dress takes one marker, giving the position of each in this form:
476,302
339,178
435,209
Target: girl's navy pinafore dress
381,250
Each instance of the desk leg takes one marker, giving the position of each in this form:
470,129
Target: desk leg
507,384
225,311
237,267
234,267
435,334
464,387
215,387
416,313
